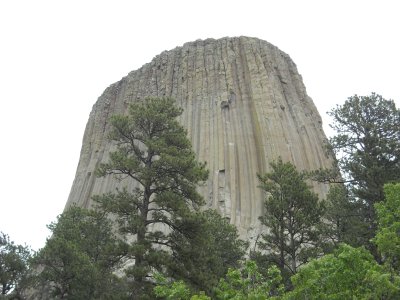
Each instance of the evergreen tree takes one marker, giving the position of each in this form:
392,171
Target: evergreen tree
342,218
152,152
367,145
13,267
79,259
204,249
292,216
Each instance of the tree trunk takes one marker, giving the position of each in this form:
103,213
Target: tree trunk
141,236
293,254
282,248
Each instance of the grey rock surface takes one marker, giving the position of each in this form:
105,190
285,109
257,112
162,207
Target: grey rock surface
244,105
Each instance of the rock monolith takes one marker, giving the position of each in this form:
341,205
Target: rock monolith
244,104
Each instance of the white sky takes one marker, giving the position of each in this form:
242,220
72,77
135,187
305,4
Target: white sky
57,57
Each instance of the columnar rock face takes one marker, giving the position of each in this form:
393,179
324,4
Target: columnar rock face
244,105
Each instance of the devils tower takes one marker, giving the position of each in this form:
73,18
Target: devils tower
244,104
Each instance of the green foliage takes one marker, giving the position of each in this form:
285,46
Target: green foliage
176,290
203,249
292,216
367,145
78,260
342,218
250,284
348,273
388,233
154,154
13,266
239,284
200,296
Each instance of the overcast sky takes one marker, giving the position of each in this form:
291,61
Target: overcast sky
57,57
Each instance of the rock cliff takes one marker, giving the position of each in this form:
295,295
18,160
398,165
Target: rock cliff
244,105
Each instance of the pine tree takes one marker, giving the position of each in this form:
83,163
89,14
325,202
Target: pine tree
13,267
292,216
204,250
79,259
154,153
367,145
342,218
